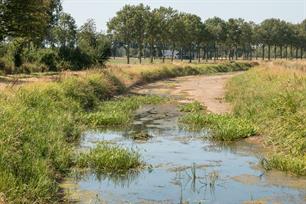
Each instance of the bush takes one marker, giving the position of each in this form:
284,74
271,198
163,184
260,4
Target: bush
76,58
6,66
49,58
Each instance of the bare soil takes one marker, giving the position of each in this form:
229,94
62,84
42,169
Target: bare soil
208,90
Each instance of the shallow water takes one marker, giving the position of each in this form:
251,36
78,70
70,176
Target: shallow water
185,168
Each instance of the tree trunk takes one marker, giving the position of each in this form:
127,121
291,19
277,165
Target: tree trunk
199,54
286,52
302,52
128,53
297,53
204,53
190,60
291,51
151,53
275,52
172,55
269,52
181,54
263,52
281,52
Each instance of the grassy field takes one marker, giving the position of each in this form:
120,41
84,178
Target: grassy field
41,122
274,99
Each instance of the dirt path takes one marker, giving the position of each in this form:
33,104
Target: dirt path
209,90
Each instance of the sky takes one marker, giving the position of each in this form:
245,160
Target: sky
251,10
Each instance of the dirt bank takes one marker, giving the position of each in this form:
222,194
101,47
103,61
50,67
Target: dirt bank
209,90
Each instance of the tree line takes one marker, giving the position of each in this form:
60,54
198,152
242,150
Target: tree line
157,30
36,35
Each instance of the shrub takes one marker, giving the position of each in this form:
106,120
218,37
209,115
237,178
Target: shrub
49,58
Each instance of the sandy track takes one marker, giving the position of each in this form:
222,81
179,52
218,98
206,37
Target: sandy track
209,90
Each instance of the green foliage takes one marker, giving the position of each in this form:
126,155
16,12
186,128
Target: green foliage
275,100
287,163
39,125
119,112
194,107
90,90
33,139
49,58
224,127
110,159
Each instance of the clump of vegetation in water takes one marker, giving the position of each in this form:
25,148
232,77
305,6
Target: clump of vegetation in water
142,135
224,127
119,112
192,107
274,99
110,159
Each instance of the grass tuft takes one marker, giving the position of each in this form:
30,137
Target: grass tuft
193,107
224,127
119,112
108,158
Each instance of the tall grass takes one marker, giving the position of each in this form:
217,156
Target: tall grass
274,99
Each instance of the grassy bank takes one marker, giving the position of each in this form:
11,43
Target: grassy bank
223,127
41,121
274,99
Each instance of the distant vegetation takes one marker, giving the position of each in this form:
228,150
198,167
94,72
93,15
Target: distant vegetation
167,29
274,99
39,37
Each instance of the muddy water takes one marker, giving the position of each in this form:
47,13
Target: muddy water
183,167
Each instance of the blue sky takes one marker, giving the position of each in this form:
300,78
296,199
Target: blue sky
256,10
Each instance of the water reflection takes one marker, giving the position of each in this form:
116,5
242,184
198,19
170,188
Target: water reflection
185,168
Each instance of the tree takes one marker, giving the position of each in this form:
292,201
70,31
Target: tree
268,33
138,20
234,33
193,27
122,29
218,33
103,49
65,31
27,18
